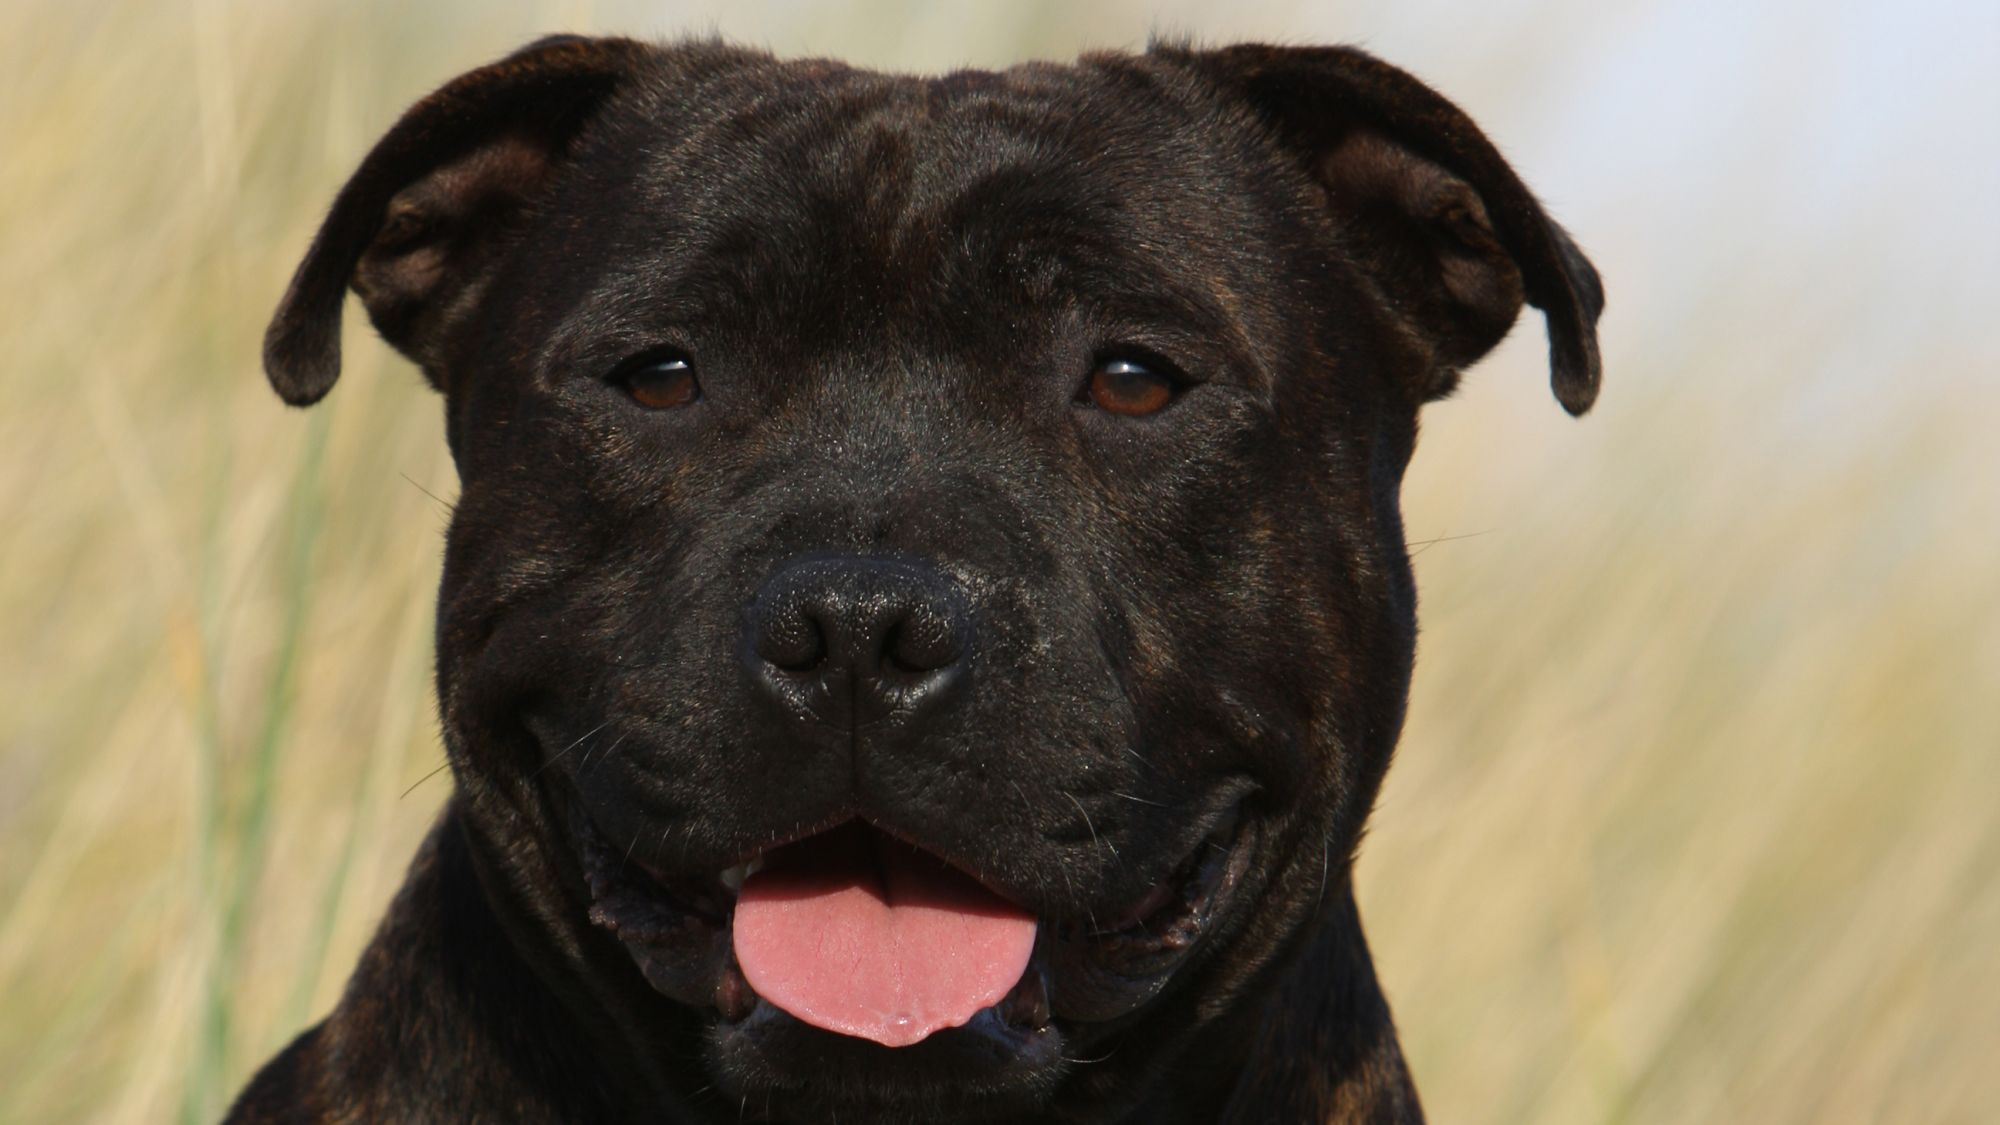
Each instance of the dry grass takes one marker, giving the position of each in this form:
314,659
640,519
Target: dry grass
1693,819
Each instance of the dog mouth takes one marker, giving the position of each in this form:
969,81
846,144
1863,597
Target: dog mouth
856,933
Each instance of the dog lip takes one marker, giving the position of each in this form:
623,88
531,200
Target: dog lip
1080,982
618,883
1103,975
1191,882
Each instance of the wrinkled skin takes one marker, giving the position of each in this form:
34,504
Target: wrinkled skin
893,293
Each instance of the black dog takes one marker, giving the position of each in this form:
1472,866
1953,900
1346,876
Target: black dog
927,614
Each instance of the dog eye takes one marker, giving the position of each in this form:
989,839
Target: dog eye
661,382
1129,387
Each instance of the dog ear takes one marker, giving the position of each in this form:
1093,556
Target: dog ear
1425,203
415,229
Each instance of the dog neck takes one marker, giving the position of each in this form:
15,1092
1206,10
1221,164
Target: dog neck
1334,1061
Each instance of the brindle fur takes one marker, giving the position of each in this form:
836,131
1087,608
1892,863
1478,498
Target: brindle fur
892,288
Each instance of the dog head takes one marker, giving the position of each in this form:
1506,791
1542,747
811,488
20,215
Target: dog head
927,601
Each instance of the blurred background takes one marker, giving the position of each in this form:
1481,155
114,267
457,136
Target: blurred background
1694,816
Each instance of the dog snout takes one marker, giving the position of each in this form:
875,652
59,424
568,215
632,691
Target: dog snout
848,641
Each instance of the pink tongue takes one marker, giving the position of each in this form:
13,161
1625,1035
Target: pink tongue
860,934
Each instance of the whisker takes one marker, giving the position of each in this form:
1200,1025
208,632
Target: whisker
1421,545
441,767
441,501
1094,837
558,754
584,766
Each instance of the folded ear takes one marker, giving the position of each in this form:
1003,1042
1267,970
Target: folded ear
1425,204
415,229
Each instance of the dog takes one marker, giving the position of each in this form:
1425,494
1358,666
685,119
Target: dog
927,613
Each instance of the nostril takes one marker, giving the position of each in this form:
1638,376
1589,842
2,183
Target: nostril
920,644
844,640
791,641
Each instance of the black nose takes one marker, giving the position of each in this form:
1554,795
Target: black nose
849,640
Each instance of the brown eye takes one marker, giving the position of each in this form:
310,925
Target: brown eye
1124,386
662,384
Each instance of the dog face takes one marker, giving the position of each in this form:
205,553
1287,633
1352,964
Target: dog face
952,521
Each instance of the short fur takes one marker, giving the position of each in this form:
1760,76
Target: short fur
892,290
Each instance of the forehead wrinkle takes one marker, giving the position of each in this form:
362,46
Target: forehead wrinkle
895,196
1077,196
761,204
